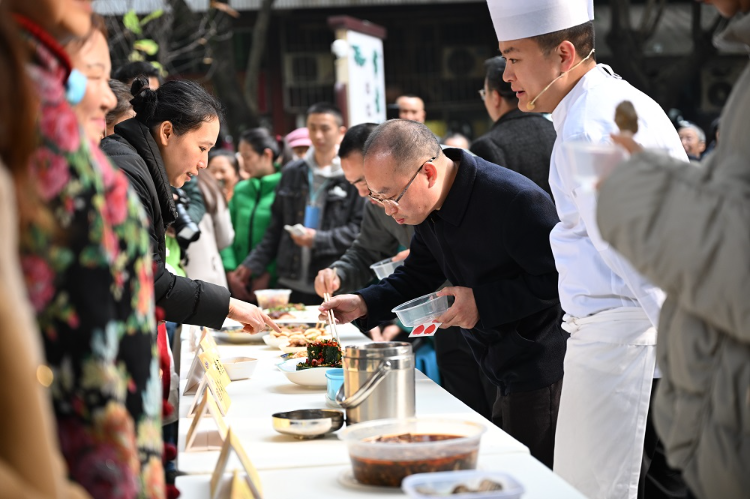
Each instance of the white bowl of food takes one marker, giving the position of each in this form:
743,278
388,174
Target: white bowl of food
314,376
239,367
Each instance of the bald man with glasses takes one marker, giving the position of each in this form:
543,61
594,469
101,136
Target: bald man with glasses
486,230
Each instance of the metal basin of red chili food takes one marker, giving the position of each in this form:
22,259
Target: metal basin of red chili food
385,451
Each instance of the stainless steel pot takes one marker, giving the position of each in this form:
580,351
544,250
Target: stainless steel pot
378,382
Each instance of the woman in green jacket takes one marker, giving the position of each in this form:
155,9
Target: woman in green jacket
250,208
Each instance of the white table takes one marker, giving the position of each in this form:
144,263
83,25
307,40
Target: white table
284,462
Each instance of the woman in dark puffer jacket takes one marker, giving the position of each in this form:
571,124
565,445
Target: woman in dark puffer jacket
167,143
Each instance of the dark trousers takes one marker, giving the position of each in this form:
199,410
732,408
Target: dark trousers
658,480
531,418
460,373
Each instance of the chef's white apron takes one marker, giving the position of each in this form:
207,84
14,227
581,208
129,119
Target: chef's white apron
609,370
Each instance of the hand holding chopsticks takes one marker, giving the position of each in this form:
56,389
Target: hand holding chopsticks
332,319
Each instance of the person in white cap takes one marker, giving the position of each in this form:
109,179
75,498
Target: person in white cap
611,310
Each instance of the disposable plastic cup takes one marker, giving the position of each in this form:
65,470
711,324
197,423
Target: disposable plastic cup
592,162
421,310
386,267
268,298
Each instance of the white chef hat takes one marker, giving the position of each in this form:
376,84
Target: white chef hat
516,19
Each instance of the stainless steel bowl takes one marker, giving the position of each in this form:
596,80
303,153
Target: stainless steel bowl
308,423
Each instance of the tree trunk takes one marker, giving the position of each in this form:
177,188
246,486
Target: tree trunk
238,114
256,54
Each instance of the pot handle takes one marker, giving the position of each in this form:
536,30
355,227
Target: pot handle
364,391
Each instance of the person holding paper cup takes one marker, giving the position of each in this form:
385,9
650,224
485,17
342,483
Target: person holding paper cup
686,228
321,209
611,310
486,230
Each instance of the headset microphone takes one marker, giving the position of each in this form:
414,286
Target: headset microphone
531,105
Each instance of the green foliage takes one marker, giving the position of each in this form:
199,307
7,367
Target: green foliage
154,15
146,45
131,22
162,71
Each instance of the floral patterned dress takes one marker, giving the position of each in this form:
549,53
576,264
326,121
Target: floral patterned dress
90,282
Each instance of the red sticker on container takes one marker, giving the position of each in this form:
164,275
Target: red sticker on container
428,329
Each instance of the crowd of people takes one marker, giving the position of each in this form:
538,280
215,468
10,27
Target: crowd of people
604,327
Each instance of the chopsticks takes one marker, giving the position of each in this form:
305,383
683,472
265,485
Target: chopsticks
332,319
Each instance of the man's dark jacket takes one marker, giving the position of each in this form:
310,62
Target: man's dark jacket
521,142
491,235
339,225
183,300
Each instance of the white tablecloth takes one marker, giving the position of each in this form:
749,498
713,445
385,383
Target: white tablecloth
285,463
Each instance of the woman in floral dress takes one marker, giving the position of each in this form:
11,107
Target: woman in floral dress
89,277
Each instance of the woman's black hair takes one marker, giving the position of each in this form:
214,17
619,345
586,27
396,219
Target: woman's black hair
231,157
183,103
122,92
260,140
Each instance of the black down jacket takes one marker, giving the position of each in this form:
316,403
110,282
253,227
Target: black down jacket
185,301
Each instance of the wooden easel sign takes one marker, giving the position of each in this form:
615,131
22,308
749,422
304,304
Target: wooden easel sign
209,387
240,487
195,373
207,439
204,362
207,342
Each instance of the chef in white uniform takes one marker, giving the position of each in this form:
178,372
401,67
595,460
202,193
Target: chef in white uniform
611,310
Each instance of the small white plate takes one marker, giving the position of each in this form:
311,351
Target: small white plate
238,337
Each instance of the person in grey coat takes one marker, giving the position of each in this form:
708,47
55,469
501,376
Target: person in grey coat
519,141
686,229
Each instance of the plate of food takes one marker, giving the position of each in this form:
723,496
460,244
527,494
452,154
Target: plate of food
296,335
285,312
295,313
231,332
311,369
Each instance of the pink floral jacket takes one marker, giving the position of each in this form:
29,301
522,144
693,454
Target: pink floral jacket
91,285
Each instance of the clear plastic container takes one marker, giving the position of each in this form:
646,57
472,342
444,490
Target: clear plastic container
437,445
269,298
386,267
593,162
421,310
434,485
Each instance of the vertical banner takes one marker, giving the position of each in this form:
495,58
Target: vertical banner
366,86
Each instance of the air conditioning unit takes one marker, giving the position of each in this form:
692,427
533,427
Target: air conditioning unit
309,69
464,61
717,82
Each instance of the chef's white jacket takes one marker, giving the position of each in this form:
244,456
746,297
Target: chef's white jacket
593,276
